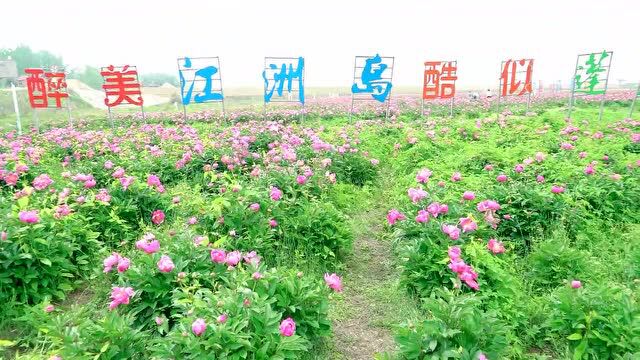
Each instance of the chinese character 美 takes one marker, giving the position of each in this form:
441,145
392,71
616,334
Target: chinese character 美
372,80
439,80
509,75
207,94
279,77
122,84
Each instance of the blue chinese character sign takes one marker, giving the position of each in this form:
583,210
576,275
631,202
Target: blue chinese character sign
591,77
200,81
372,79
283,80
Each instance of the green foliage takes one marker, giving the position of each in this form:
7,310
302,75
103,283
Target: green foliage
599,321
456,328
353,168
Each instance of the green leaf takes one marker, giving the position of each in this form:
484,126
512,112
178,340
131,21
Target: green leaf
6,343
46,261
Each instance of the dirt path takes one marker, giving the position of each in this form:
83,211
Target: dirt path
372,302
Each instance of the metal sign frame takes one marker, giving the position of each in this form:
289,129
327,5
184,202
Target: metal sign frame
295,88
216,79
633,102
120,68
530,62
65,91
424,84
572,99
357,77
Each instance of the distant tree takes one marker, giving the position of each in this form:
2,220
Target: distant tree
26,58
89,75
157,79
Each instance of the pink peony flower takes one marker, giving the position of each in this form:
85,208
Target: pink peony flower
41,182
502,178
488,205
589,170
495,246
222,318
120,295
273,223
468,225
451,230
159,320
198,327
165,264
456,177
148,244
3,235
287,327
29,217
157,217
423,176
394,215
333,281
540,178
49,308
218,256
416,195
576,284
255,207
233,258
301,179
557,189
256,276
123,264
468,195
422,217
276,194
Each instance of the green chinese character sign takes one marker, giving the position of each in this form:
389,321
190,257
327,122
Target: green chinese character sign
591,77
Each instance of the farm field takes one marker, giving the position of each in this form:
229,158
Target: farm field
480,236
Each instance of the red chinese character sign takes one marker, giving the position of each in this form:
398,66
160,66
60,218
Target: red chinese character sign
121,87
516,79
439,81
46,89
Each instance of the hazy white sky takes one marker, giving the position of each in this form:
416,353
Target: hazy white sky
328,33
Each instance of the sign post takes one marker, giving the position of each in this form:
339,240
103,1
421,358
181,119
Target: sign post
16,108
439,82
591,71
371,80
511,82
279,71
200,81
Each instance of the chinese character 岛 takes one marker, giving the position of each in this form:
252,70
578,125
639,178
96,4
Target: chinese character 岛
372,80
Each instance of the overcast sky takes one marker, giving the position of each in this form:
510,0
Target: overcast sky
328,33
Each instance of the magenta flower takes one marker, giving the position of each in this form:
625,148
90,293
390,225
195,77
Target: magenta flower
198,327
148,244
456,177
422,217
576,284
301,179
333,281
451,230
416,195
287,327
423,175
557,189
468,195
468,225
157,217
222,318
41,182
502,178
394,215
49,308
273,223
276,194
540,178
495,246
251,258
29,217
454,252
3,235
255,207
589,170
102,196
123,264
165,264
233,258
218,256
488,205
518,168
256,275
120,295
